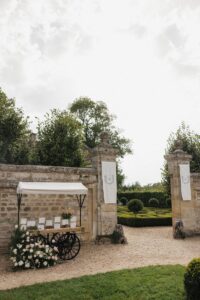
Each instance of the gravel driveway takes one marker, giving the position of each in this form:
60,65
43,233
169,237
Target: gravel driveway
146,246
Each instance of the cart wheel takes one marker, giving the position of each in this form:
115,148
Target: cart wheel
55,239
69,246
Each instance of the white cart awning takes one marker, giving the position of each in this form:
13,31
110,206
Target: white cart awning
70,188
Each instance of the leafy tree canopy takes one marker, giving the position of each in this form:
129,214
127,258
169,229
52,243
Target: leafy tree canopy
60,140
14,132
96,118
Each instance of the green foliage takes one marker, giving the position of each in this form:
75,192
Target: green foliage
147,283
14,132
120,177
144,197
144,222
188,141
96,118
192,280
137,187
153,202
60,140
124,200
147,212
135,205
169,203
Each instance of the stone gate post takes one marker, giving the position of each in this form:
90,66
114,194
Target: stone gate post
181,210
106,212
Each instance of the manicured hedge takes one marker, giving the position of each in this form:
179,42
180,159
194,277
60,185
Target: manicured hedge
144,222
144,197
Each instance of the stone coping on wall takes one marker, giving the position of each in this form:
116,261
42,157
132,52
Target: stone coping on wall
195,174
47,169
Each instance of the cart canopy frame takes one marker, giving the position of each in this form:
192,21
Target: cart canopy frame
66,188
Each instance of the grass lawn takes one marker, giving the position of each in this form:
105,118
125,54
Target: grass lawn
158,282
147,212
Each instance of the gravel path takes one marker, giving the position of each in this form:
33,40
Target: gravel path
146,246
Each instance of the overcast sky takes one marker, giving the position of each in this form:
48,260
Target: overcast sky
141,57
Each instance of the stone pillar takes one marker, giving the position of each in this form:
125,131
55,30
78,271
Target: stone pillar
181,210
106,213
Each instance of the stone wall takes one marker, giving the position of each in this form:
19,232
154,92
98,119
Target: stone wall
98,218
187,211
34,206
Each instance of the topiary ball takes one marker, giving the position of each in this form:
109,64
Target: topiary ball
124,200
192,280
153,202
135,205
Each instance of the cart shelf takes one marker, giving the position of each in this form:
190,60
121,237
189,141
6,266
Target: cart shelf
58,230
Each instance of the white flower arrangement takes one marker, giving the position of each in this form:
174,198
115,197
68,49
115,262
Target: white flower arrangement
27,253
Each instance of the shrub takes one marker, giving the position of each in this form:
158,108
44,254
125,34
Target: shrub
153,202
144,222
169,203
27,252
143,196
124,200
192,280
135,206
163,203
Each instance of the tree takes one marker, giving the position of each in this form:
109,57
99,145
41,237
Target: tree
14,132
135,206
120,177
188,141
60,140
96,118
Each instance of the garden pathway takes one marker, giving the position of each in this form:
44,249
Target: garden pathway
146,246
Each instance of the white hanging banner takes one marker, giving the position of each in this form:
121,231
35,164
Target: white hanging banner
185,181
109,178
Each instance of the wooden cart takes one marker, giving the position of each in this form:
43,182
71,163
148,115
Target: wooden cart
65,239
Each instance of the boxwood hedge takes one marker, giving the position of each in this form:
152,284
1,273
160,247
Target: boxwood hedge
144,222
144,197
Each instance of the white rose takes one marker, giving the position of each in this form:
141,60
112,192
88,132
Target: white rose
41,255
27,233
15,251
53,241
30,256
45,263
21,263
27,265
37,260
31,250
16,264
